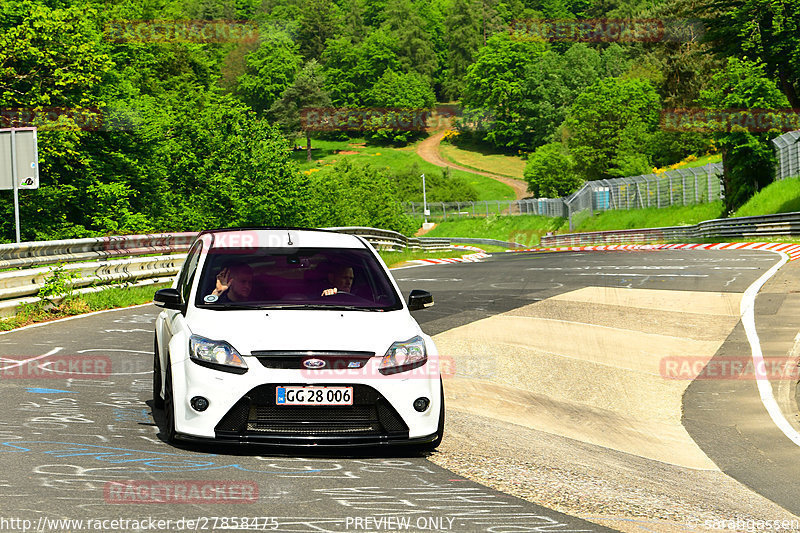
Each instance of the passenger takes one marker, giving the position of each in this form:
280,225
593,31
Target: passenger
341,277
234,284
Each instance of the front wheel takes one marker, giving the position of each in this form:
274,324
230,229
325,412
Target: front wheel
169,408
158,401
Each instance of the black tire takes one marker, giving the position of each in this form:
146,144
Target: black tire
158,401
169,408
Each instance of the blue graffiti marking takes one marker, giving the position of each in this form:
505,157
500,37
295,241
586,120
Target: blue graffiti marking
35,390
138,460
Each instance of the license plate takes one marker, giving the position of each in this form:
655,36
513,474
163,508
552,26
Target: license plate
313,395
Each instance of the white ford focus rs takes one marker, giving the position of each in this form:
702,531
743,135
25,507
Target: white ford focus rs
296,337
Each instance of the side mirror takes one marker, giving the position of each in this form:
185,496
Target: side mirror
419,300
168,299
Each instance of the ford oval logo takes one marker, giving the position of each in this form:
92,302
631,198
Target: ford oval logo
314,364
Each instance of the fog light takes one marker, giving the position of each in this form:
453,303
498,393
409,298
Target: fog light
200,404
421,404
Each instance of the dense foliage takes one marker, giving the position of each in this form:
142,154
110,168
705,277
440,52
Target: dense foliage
196,128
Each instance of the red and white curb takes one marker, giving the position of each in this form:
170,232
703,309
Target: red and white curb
789,248
470,258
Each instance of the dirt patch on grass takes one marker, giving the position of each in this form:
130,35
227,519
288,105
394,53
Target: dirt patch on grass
346,152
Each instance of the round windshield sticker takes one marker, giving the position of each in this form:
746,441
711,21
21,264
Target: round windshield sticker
211,298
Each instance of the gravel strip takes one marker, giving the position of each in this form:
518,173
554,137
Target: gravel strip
618,490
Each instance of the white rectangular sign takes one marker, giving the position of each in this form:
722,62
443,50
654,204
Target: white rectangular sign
27,159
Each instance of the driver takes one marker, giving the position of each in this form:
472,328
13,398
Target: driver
341,277
234,284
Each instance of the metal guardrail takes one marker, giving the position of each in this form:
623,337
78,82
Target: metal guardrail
393,241
29,254
128,259
467,240
786,224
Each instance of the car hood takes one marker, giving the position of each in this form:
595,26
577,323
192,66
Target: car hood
258,330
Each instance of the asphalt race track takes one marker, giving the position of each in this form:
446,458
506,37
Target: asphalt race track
89,448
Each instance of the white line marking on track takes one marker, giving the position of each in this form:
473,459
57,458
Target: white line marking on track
747,309
18,362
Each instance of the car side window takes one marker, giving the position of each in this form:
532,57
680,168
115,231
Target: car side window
189,270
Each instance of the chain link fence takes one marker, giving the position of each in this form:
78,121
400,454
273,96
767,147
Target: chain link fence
787,147
551,207
674,187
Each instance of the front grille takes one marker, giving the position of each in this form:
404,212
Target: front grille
336,360
257,416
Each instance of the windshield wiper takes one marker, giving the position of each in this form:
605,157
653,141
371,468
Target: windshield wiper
232,307
321,307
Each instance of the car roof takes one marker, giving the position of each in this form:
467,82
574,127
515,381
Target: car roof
279,237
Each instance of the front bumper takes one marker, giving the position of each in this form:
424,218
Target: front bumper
242,407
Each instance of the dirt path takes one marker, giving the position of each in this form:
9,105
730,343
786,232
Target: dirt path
429,151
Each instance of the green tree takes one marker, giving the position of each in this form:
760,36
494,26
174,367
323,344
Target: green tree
748,160
495,83
269,70
410,92
440,186
550,172
305,92
352,69
552,82
610,127
762,29
52,57
463,23
415,51
318,21
353,194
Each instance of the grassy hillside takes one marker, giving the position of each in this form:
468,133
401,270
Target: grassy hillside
327,152
779,197
480,157
524,229
651,217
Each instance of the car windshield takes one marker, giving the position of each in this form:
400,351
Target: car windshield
305,278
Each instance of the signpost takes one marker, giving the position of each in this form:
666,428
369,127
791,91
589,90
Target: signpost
19,164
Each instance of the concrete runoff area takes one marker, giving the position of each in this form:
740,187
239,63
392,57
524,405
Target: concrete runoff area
596,383
573,412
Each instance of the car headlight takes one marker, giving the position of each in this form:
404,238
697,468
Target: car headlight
215,354
403,356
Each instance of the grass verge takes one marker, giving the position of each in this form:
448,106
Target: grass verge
651,217
481,158
528,229
524,229
111,298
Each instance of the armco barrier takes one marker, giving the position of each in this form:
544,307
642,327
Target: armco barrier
28,254
786,224
128,259
392,240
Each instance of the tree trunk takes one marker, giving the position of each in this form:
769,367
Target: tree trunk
308,146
